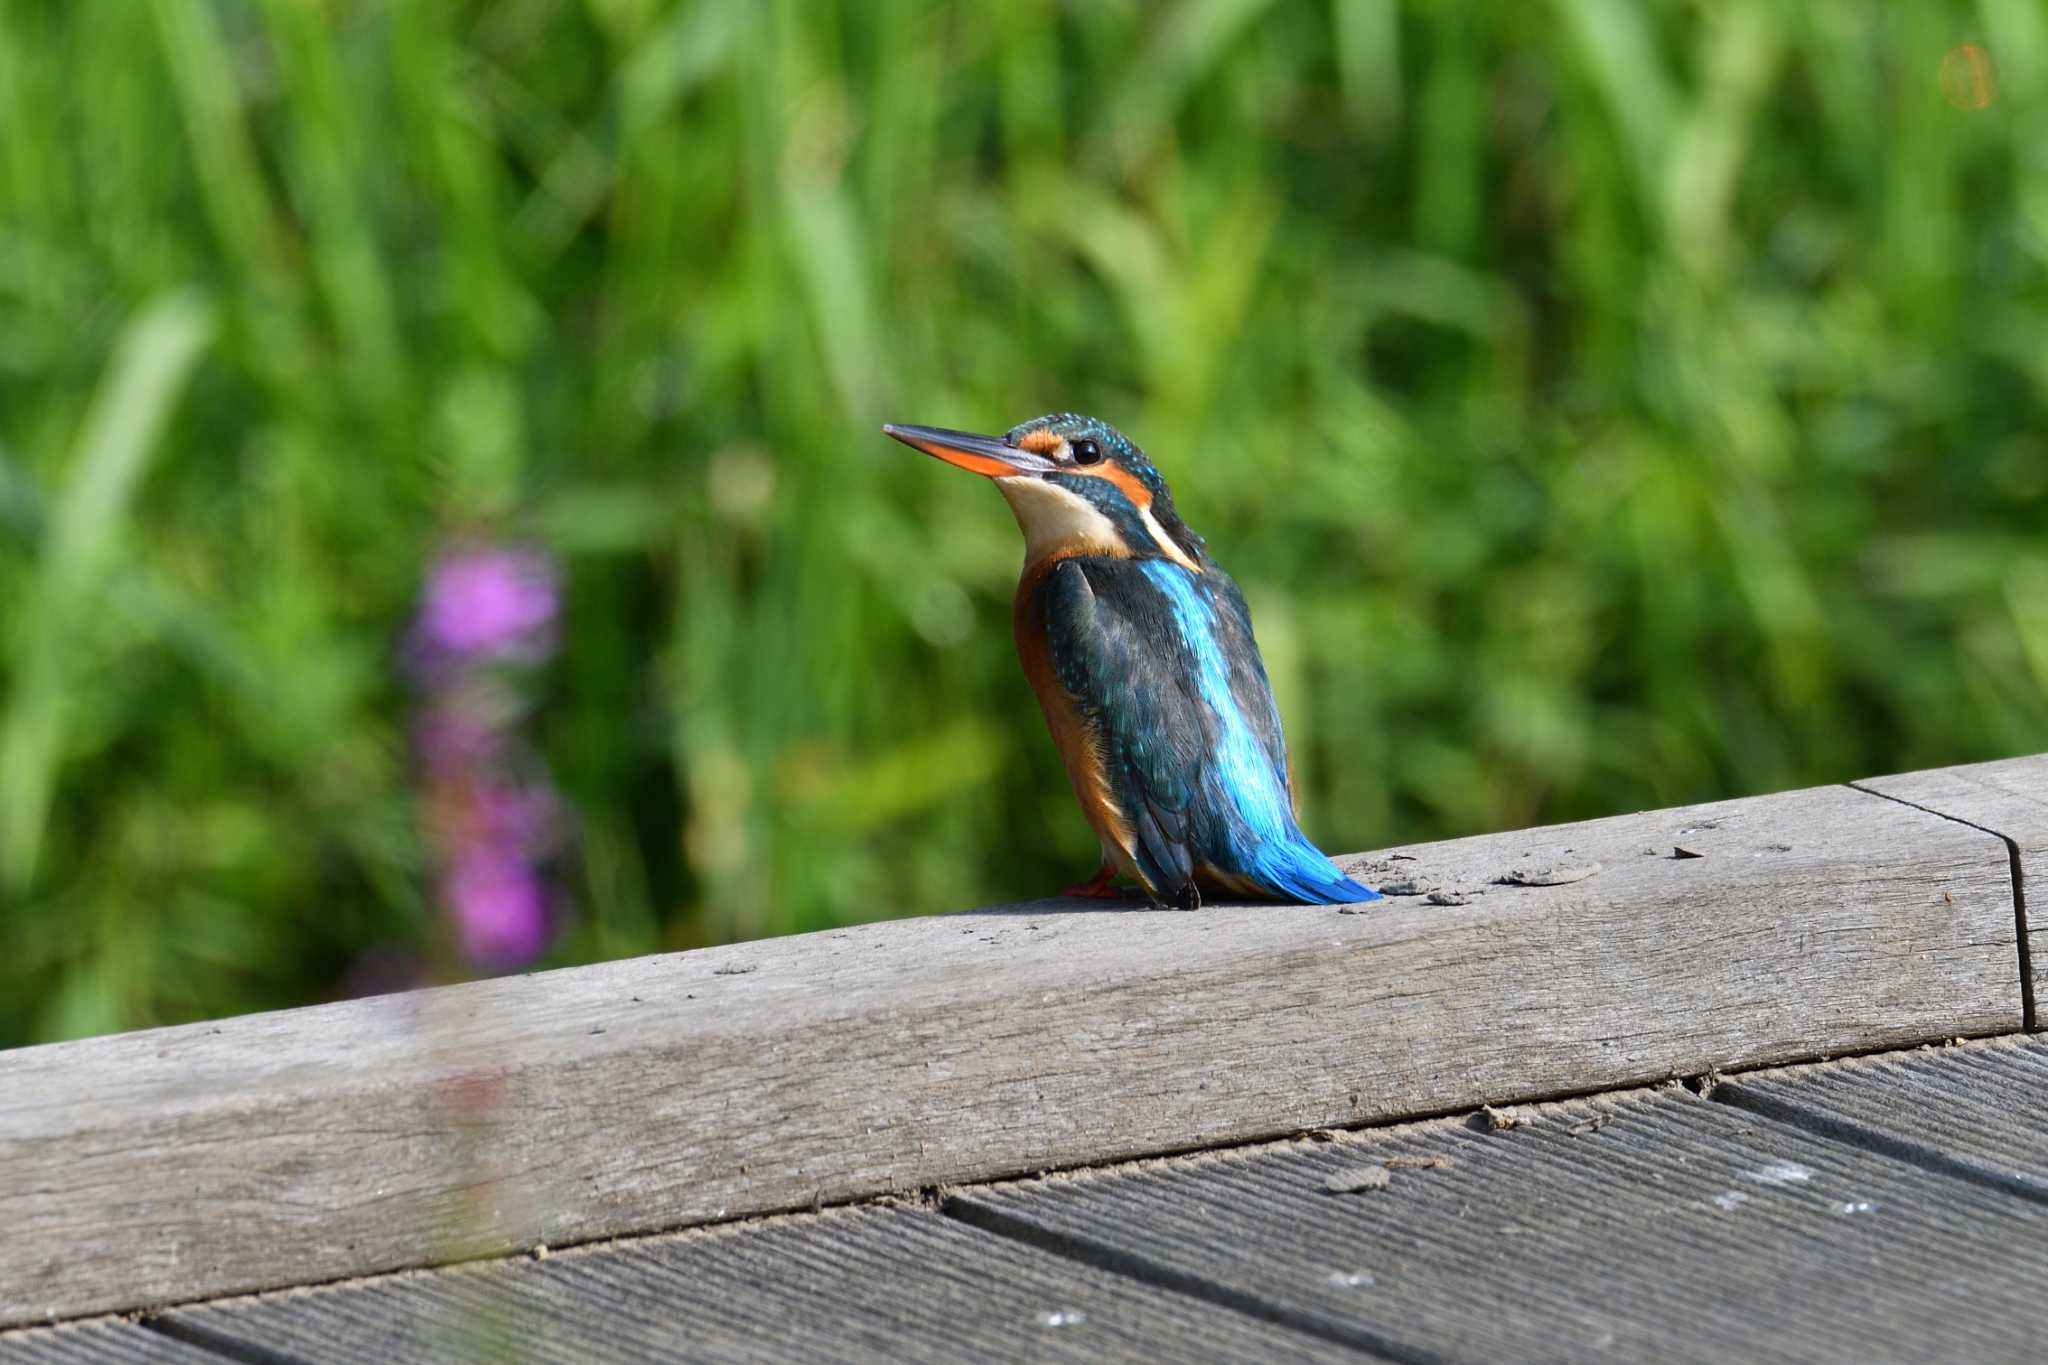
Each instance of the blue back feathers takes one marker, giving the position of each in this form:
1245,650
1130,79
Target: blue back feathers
1244,782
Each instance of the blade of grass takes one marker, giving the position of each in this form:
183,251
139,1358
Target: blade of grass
148,372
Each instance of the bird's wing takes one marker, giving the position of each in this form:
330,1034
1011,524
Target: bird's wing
1114,648
1161,666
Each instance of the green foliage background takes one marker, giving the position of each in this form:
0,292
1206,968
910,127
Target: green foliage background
1604,405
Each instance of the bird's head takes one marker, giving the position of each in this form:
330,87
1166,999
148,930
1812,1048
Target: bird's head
1077,486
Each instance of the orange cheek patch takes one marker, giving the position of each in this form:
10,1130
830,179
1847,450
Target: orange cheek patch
1140,496
1039,442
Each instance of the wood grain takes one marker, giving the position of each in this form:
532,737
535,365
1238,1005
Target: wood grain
1644,1226
845,1285
1974,1109
2010,799
650,1094
103,1341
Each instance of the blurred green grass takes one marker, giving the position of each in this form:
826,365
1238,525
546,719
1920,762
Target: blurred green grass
1604,406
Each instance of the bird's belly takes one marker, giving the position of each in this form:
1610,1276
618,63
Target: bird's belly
1080,748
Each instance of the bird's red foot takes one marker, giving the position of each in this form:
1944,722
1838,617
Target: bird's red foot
1099,888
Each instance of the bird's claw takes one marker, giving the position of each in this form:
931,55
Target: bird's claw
1098,888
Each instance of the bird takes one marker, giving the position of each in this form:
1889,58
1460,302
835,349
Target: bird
1140,650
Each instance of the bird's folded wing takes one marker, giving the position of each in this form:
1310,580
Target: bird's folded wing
1122,651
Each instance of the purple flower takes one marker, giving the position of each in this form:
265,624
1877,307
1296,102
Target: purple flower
491,602
490,814
500,904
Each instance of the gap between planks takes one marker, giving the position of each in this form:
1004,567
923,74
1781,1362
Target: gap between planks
2028,1011
226,1345
1923,1155
1132,1266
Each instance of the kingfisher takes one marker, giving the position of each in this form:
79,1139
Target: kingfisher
1139,647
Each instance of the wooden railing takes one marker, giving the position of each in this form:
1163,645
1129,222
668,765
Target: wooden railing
566,1106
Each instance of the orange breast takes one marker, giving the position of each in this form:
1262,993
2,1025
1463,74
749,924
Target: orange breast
1080,745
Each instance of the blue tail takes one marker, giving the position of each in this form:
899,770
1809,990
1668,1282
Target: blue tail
1299,870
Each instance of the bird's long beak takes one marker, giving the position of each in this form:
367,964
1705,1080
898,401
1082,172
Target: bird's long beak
982,454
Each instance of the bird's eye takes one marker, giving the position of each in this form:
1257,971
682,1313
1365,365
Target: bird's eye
1086,452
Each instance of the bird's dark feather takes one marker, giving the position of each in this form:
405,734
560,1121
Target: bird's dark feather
1161,663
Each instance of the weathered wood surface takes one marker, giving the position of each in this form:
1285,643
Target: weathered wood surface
666,1091
1652,1226
1980,1109
844,1285
2010,799
99,1342
1639,1225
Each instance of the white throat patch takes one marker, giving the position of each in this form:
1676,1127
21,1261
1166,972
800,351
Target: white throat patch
1055,521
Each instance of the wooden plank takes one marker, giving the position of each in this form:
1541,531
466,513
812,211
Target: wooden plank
102,1341
2010,799
850,1285
1637,1227
666,1091
1976,1108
